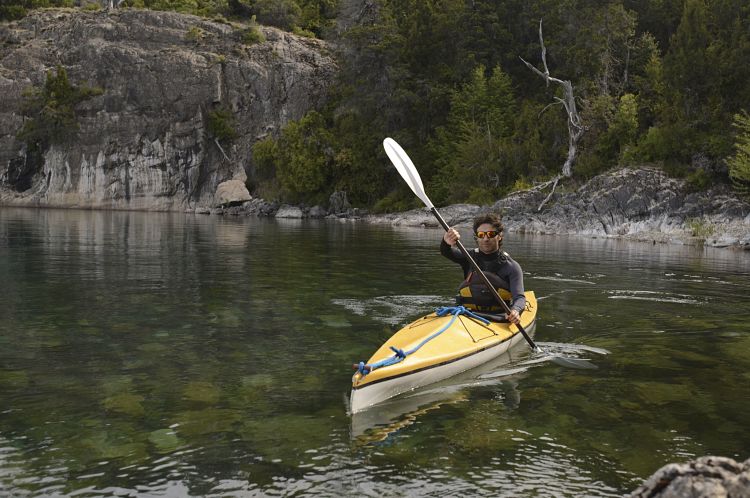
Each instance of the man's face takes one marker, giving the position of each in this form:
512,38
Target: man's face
488,238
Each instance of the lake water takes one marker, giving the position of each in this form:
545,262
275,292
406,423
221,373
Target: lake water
146,354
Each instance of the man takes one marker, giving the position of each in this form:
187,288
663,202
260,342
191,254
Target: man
502,271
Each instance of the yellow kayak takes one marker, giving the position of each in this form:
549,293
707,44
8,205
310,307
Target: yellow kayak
433,348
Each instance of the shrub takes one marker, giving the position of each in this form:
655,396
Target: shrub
221,125
51,110
194,34
252,34
283,14
700,228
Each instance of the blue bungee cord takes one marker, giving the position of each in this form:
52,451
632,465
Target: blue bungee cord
400,354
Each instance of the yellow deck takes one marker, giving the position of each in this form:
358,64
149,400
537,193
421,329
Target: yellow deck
465,337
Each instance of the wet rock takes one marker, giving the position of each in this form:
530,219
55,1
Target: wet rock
317,212
723,242
287,211
704,477
236,210
231,193
260,207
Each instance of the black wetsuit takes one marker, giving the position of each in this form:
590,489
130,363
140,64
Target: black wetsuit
499,263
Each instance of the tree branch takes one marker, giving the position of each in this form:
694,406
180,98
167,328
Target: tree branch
575,128
216,140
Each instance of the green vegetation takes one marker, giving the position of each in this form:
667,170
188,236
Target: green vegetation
195,34
656,85
739,163
700,227
51,110
252,34
220,125
16,9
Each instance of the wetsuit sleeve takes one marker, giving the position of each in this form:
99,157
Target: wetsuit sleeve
455,255
452,253
518,299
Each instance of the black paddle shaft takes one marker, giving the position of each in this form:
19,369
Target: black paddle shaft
484,277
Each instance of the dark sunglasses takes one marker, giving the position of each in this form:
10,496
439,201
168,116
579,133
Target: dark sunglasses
489,234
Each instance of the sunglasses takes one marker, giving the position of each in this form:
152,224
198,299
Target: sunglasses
489,234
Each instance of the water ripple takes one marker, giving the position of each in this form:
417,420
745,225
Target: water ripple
393,310
655,296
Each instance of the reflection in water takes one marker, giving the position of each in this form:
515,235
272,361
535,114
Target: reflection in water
170,355
380,421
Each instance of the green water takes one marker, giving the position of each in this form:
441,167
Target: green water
148,354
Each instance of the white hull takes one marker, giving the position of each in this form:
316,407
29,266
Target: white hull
378,392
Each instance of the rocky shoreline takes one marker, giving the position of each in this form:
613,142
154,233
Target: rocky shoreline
640,204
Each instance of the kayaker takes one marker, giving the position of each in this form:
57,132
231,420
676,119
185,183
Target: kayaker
502,271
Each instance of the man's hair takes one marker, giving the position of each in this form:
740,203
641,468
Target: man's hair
491,218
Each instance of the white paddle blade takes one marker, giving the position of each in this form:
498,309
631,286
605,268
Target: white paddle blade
406,169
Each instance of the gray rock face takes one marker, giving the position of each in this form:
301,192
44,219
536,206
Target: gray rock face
621,203
143,144
640,204
706,477
338,203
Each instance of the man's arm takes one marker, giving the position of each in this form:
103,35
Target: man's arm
451,252
515,280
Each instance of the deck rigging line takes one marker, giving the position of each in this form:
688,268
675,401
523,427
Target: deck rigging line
400,354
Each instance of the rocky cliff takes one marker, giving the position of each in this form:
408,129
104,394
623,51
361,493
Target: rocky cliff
143,143
635,203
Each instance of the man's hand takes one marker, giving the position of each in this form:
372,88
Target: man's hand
451,237
513,317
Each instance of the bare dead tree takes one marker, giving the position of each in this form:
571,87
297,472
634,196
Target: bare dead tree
575,128
113,4
216,140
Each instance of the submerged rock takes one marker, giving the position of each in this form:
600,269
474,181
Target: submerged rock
704,477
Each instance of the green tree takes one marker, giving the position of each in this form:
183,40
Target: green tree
470,148
739,163
16,9
51,110
220,125
303,159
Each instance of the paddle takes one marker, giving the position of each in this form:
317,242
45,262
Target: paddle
409,173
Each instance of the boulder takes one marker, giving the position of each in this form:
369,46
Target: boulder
705,477
286,211
231,193
317,212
